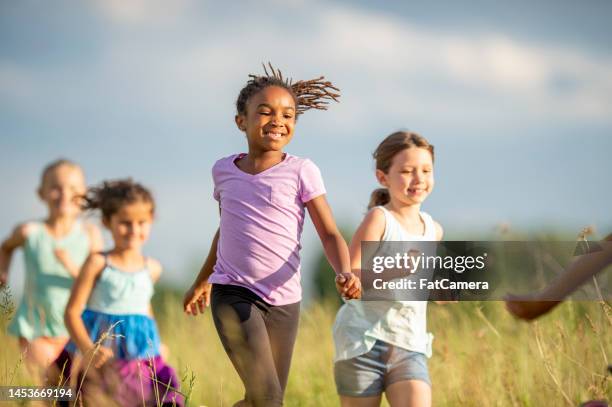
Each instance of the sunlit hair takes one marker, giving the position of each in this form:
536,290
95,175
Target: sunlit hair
52,166
110,196
386,150
307,94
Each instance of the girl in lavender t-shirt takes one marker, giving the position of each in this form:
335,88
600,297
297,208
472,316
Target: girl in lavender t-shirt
253,268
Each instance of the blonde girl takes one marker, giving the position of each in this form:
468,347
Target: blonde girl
54,250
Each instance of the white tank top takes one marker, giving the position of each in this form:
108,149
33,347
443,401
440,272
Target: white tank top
359,324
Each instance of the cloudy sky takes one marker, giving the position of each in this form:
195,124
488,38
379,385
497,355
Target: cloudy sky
516,97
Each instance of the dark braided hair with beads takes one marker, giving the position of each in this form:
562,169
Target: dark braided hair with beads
110,196
307,94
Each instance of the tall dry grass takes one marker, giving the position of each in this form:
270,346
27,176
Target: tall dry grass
482,356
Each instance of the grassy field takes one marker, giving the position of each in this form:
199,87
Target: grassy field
482,357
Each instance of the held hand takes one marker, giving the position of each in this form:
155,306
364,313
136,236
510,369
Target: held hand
3,277
528,307
197,298
348,285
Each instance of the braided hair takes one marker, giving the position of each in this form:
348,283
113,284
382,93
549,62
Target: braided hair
307,94
110,196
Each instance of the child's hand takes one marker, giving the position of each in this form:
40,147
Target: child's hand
528,307
348,285
197,298
100,356
3,277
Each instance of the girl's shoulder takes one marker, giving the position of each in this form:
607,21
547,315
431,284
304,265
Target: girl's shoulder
374,224
22,232
155,268
439,231
304,167
225,161
96,241
377,213
301,162
95,264
427,217
290,160
98,258
26,229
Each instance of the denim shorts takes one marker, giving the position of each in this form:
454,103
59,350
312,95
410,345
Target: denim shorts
371,373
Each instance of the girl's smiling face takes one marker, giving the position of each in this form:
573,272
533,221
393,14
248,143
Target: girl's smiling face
269,119
410,177
130,226
60,190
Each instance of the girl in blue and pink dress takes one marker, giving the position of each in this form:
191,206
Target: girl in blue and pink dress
109,313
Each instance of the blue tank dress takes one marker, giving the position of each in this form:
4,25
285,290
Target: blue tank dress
47,282
118,316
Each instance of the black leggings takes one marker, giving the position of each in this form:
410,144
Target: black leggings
258,338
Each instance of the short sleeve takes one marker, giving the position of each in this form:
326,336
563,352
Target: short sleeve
311,182
215,177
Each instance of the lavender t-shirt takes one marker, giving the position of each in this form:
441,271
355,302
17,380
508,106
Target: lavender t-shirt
262,216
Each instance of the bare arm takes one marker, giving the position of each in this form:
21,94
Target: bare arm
334,246
198,295
207,268
371,229
81,291
531,306
155,268
15,240
578,272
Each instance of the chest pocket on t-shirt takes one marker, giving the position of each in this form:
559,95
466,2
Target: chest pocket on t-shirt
282,195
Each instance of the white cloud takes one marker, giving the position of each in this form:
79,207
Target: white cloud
495,62
137,12
385,66
496,66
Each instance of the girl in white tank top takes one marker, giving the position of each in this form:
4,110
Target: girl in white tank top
404,166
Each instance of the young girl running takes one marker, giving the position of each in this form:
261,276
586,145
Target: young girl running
110,303
254,261
54,250
382,346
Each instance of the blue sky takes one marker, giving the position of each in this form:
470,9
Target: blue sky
516,97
